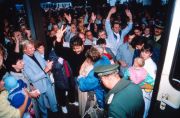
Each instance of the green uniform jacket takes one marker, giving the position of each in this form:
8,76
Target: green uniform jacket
125,100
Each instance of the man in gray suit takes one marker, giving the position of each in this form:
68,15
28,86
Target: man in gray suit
37,70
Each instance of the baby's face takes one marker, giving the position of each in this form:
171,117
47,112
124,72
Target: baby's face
138,62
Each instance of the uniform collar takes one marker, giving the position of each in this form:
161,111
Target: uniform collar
118,87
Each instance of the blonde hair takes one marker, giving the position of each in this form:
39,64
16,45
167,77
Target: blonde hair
140,61
24,43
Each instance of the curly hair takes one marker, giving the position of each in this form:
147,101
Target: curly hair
93,54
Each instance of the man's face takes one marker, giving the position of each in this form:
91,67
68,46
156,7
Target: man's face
29,49
116,28
78,49
102,35
73,28
157,31
1,85
137,32
18,35
19,65
89,35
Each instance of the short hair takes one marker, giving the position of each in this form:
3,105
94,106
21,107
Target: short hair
101,41
93,54
100,31
148,47
24,43
76,41
140,61
116,22
39,43
12,61
138,40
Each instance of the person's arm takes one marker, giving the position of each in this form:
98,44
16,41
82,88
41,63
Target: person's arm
86,18
88,83
17,44
129,24
112,11
107,22
23,106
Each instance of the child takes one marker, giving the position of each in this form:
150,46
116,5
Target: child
16,95
138,75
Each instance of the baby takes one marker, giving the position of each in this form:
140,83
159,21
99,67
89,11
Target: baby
16,95
138,75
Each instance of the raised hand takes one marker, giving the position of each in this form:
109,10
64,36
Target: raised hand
68,17
112,10
128,13
93,17
60,33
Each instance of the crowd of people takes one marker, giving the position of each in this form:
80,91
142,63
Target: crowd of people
106,57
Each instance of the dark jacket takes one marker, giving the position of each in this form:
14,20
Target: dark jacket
125,100
75,60
61,72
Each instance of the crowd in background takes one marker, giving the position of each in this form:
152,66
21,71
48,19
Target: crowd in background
78,39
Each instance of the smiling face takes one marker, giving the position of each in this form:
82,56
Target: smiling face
78,49
29,49
116,28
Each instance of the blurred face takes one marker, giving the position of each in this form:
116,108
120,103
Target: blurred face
147,31
23,28
19,65
130,38
29,49
1,85
116,28
145,54
82,36
89,35
73,28
41,49
137,32
102,35
18,35
157,31
55,28
78,49
103,46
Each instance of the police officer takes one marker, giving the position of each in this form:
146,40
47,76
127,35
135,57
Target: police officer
124,100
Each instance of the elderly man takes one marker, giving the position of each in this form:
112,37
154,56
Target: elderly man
124,100
37,70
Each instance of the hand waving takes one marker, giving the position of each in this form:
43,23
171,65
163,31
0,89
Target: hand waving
60,33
